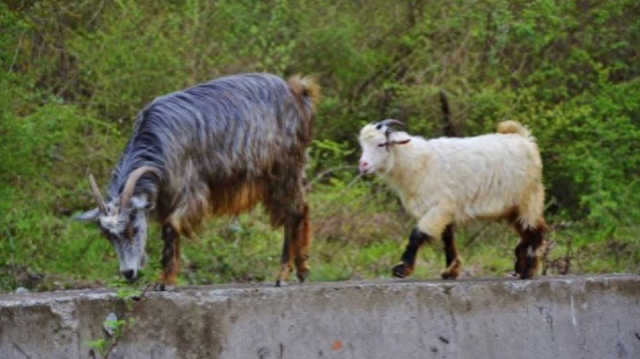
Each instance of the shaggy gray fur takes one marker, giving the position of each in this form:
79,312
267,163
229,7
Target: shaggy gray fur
218,148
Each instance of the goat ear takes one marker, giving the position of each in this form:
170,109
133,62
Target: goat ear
400,137
140,202
403,142
91,215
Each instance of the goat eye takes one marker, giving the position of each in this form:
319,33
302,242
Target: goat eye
382,145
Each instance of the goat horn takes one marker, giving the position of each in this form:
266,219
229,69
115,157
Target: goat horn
96,193
129,186
390,123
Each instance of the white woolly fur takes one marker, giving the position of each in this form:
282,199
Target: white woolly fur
453,180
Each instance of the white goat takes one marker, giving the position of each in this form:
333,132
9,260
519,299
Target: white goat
447,181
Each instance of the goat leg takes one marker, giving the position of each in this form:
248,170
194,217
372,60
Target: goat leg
170,258
451,255
301,244
286,261
528,250
408,261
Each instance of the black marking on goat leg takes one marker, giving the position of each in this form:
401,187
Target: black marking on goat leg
416,240
531,239
451,254
450,251
286,251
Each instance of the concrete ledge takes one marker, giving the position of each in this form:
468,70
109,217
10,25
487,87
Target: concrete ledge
564,317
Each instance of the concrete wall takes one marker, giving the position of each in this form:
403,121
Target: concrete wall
567,317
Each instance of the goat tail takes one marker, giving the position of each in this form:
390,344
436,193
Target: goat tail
515,127
306,90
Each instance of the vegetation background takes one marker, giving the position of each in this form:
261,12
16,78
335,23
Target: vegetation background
75,73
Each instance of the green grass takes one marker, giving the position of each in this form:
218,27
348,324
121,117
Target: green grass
360,234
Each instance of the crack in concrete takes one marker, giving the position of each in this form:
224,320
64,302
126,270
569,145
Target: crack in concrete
21,350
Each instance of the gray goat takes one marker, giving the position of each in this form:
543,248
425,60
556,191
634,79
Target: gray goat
217,148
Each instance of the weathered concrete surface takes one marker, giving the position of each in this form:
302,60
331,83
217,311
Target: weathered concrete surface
567,317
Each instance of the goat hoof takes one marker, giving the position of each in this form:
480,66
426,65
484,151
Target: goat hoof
162,287
400,271
446,274
303,275
528,269
450,273
528,274
281,283
521,267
